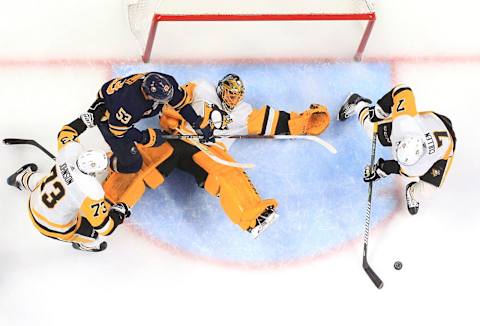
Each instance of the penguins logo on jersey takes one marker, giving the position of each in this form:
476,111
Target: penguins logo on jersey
219,119
435,173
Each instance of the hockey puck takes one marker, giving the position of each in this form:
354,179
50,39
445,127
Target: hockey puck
398,265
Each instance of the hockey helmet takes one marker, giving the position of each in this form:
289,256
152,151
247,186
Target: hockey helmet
230,90
92,161
410,149
157,88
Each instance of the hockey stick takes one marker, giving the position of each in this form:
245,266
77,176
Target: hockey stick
316,139
193,140
17,141
366,266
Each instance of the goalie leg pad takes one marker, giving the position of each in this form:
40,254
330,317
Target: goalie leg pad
152,157
124,187
238,197
311,122
129,188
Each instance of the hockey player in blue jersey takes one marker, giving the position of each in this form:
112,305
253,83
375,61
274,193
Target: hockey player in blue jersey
125,101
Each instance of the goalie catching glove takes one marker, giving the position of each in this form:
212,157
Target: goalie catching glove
311,122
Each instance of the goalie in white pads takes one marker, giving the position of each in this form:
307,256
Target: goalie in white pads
423,143
68,204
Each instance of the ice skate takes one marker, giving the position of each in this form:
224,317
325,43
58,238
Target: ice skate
92,247
264,221
348,107
15,179
412,204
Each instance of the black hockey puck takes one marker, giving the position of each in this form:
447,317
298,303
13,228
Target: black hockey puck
398,265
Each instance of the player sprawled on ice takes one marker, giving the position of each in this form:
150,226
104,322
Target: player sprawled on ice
423,143
222,109
126,101
68,203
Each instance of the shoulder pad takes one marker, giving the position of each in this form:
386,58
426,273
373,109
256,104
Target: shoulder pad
88,185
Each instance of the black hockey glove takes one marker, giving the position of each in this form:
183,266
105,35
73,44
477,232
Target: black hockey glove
152,137
118,213
374,173
206,132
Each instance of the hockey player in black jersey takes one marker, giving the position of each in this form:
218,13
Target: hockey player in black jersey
126,101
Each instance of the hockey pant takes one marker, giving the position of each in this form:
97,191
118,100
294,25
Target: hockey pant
238,197
78,230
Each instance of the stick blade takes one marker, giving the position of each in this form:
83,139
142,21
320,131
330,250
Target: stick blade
373,276
13,141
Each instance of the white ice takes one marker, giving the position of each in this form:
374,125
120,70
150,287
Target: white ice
53,57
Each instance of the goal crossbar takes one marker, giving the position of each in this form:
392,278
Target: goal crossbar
157,17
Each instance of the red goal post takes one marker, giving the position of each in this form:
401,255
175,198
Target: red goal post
150,11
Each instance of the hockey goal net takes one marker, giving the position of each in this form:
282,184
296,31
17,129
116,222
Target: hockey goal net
324,28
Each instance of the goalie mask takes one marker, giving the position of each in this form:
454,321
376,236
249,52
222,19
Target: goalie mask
410,150
157,88
91,162
230,90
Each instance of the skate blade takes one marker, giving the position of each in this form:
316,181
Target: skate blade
261,228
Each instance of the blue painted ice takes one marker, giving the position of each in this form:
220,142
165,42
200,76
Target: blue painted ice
322,197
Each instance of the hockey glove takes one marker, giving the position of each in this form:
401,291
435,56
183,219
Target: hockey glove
152,137
205,131
118,213
375,172
318,119
312,121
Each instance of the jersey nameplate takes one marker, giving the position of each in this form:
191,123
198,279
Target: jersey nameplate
430,143
65,173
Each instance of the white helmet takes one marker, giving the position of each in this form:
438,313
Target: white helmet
410,149
92,161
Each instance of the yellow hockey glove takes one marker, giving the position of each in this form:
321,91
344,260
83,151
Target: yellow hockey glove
311,122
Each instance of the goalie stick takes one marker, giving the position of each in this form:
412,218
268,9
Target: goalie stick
316,139
17,141
366,266
193,139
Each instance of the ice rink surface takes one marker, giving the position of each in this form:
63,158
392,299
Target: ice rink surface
179,263
307,180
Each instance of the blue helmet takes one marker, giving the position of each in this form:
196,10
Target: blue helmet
157,88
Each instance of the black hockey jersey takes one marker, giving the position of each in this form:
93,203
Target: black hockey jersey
126,103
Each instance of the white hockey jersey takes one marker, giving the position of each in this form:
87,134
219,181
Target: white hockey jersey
398,108
235,121
429,126
66,194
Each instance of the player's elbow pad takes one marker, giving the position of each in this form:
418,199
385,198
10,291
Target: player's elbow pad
97,110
